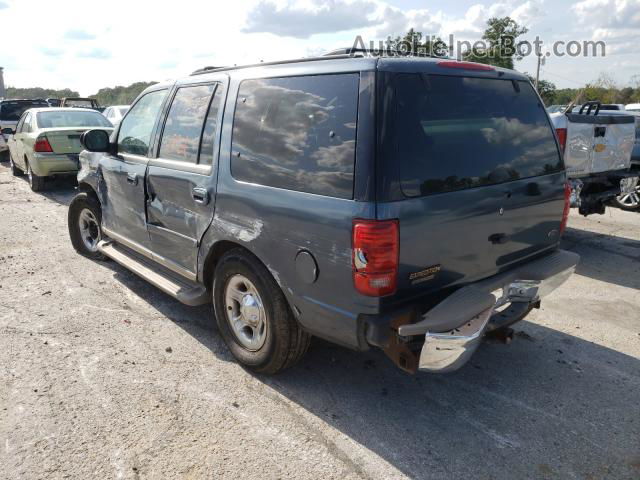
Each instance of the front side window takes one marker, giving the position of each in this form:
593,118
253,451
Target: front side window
182,130
297,133
135,132
456,132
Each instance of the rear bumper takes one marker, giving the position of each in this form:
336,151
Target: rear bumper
454,328
48,164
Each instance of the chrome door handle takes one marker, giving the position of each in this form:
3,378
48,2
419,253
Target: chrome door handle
132,178
200,195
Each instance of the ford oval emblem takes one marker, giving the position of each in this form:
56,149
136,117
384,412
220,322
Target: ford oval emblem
501,211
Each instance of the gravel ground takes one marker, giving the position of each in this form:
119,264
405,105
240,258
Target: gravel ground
104,376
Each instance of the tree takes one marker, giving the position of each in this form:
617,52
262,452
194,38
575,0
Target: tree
37,92
414,43
120,95
546,89
501,39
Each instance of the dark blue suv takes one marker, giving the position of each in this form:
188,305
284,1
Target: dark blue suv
408,204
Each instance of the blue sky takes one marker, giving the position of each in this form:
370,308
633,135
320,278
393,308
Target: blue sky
138,40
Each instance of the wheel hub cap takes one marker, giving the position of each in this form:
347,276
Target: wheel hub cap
245,312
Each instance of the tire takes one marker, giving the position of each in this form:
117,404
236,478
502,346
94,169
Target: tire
85,210
629,202
276,341
15,170
4,155
35,182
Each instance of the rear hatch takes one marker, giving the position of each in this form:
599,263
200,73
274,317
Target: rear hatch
469,164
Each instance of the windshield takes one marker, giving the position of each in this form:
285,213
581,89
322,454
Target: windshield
454,133
57,119
12,111
78,103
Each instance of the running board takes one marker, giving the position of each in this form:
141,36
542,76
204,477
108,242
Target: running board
182,289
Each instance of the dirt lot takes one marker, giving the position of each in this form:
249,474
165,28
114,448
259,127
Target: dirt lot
103,376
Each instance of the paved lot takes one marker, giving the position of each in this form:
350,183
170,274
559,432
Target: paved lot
103,376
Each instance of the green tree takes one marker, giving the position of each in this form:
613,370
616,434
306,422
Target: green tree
501,38
120,95
546,89
37,92
415,43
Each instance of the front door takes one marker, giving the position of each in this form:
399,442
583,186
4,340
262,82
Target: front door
181,178
122,186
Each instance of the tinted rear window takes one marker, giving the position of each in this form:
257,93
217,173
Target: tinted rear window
297,133
458,132
12,111
55,119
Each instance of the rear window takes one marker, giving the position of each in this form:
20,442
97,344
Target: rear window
78,103
12,111
55,119
455,133
297,133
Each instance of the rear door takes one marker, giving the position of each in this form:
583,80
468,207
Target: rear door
122,185
181,178
480,181
13,144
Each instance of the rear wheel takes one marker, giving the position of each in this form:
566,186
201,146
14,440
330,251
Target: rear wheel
629,201
84,220
253,315
15,171
35,181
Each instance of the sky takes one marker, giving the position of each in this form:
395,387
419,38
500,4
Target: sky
122,42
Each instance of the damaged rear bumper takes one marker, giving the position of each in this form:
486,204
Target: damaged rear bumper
454,328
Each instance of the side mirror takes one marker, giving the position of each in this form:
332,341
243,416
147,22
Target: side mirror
95,140
8,131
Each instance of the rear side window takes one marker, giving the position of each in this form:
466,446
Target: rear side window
455,133
297,133
181,136
135,130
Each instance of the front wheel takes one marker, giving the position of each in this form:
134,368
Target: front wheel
84,220
36,182
253,315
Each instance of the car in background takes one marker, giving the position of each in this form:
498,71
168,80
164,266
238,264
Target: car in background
632,107
556,108
603,106
53,102
80,102
115,113
46,142
10,113
630,200
597,146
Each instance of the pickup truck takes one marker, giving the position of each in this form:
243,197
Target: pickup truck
597,146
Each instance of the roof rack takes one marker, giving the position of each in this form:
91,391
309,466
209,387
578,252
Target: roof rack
328,56
383,52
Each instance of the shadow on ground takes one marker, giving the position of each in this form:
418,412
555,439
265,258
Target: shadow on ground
550,405
607,258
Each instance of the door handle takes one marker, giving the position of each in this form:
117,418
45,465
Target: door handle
200,195
132,178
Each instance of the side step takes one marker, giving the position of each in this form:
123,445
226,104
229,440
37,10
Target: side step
183,290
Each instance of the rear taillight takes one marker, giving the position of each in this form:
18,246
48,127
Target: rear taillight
465,65
375,256
42,145
562,138
567,207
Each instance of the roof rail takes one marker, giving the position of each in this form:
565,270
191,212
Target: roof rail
383,52
204,70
